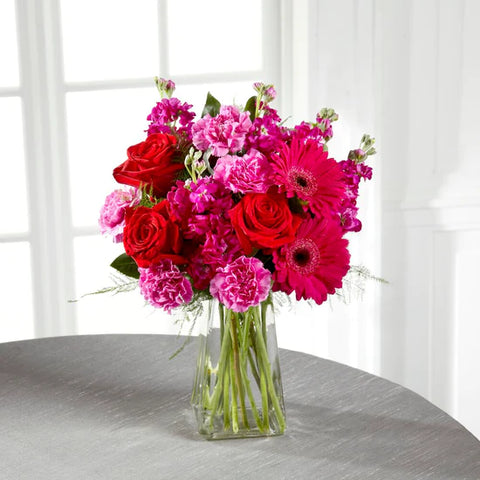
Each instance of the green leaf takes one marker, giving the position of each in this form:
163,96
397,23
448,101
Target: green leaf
251,106
212,106
126,265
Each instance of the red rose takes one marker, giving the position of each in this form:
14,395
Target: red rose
264,220
150,163
150,235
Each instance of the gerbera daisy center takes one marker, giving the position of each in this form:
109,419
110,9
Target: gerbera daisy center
303,256
302,180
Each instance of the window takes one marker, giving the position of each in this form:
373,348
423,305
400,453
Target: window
72,99
16,307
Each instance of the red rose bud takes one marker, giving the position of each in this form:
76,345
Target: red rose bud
264,220
150,164
151,235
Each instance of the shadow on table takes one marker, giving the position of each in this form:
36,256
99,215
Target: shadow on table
384,442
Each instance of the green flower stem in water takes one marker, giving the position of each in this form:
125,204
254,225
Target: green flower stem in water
234,398
238,376
226,399
222,365
263,355
242,382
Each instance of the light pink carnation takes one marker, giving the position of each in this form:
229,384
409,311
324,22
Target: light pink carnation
241,284
112,213
224,133
164,286
250,173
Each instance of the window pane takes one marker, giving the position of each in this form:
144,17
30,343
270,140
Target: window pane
16,309
101,126
107,313
8,44
109,39
215,36
234,93
14,211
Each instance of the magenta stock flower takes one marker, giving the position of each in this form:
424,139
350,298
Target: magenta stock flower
266,134
314,264
348,218
112,213
195,204
242,284
250,173
219,248
179,199
200,272
306,131
164,286
353,172
224,133
168,111
209,195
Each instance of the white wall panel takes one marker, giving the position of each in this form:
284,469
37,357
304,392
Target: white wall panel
467,331
449,75
417,266
455,325
442,322
470,99
429,71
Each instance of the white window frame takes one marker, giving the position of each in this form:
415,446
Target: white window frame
43,92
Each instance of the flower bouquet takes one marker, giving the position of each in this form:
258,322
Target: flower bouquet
229,208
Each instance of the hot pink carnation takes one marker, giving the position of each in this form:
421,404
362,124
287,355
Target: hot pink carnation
314,264
112,213
224,133
250,173
241,284
164,286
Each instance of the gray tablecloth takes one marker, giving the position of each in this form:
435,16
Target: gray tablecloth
115,407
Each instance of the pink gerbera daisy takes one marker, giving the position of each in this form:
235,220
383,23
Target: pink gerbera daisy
315,263
303,169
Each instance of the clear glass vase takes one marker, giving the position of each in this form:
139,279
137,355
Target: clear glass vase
237,389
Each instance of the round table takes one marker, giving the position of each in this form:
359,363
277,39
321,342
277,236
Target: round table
115,407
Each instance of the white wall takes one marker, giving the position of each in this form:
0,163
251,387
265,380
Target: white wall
429,72
409,73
